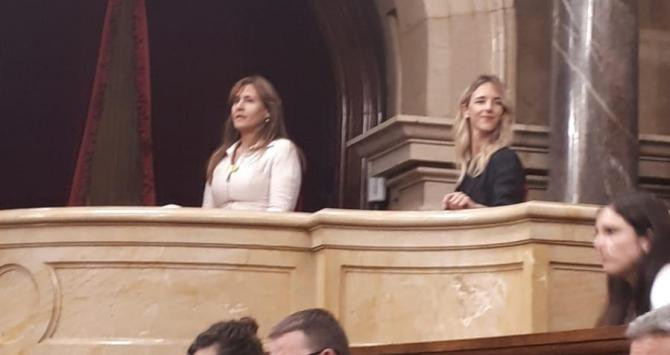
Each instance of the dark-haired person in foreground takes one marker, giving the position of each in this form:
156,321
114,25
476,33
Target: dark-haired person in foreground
633,240
233,337
309,332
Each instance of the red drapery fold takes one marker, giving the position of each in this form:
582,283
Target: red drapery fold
82,169
79,188
143,85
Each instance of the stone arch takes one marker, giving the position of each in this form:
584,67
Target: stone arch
353,34
438,47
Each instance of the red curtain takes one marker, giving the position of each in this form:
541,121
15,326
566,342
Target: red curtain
81,179
143,84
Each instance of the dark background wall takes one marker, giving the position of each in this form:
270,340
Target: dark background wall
47,66
199,52
48,54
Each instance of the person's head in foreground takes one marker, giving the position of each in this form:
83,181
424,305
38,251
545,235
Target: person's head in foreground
633,242
650,332
233,337
309,332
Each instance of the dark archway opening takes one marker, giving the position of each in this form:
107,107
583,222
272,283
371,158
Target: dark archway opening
48,53
325,57
199,50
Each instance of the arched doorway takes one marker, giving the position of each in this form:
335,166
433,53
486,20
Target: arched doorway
318,55
354,36
325,57
198,52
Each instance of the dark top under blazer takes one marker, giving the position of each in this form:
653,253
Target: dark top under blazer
503,181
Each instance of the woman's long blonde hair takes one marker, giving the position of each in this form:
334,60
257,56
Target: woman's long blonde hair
272,129
501,136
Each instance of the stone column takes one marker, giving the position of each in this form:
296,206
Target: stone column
594,89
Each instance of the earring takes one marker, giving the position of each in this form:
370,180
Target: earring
267,119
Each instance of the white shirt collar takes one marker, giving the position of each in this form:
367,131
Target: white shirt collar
232,148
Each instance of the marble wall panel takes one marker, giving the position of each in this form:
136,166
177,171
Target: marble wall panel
154,292
473,301
576,289
15,323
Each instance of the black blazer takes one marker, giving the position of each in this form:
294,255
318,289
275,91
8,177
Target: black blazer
503,181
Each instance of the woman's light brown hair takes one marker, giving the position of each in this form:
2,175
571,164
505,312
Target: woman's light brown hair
501,136
272,129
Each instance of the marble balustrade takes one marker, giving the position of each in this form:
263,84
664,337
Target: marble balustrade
118,280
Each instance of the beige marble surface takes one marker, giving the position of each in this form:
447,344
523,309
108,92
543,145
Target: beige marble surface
435,48
416,156
147,280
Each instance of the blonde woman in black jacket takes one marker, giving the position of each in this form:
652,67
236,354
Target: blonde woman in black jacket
491,173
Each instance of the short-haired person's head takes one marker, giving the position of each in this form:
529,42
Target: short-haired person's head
633,241
309,332
482,108
233,337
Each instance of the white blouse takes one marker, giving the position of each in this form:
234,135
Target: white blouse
660,289
263,180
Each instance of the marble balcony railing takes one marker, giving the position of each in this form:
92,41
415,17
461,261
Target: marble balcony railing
147,280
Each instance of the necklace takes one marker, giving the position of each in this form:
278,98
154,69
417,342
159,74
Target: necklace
234,161
233,168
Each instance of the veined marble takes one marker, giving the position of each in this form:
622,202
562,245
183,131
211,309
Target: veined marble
147,280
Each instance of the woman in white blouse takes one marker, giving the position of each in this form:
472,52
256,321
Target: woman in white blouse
256,168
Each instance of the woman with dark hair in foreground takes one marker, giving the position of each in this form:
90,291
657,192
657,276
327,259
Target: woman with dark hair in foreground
633,241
